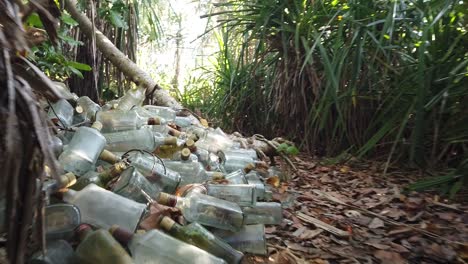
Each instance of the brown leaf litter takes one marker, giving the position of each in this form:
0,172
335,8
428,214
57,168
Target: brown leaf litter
353,214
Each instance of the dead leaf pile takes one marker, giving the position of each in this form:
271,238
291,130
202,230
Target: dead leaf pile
352,214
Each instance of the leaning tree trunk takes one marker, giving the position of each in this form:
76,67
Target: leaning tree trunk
119,60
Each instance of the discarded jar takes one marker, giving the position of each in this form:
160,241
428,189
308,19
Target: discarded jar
250,239
154,247
115,120
133,185
99,247
102,208
155,172
143,139
199,236
83,150
61,221
206,210
267,213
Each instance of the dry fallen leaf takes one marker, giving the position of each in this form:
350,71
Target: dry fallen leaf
376,223
388,257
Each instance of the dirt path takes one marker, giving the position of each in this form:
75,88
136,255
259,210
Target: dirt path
376,222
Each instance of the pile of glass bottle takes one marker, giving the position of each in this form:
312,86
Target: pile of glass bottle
119,158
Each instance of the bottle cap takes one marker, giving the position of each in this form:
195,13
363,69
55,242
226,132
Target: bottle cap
217,175
167,199
190,144
249,167
97,125
120,234
170,141
154,121
185,154
109,157
66,180
166,223
174,132
79,109
83,230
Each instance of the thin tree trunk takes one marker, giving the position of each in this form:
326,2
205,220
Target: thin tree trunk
124,64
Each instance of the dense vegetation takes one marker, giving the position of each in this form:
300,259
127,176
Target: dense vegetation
380,79
373,79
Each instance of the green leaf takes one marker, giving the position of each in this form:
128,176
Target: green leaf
76,72
69,40
455,189
79,66
282,147
116,19
34,21
292,151
68,20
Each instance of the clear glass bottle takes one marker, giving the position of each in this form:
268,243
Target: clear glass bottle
109,157
267,213
89,107
83,150
102,208
133,97
131,184
183,121
231,161
155,172
199,236
167,113
110,105
56,145
250,239
61,110
252,178
143,139
185,154
191,171
156,247
99,247
206,210
100,179
214,142
239,176
57,252
116,120
241,194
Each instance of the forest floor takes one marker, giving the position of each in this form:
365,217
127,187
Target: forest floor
362,216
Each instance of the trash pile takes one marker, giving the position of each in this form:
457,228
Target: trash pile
143,184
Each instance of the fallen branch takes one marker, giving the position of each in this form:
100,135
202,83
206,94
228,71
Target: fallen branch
322,225
120,60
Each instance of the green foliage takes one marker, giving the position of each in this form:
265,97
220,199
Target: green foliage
287,149
52,60
369,77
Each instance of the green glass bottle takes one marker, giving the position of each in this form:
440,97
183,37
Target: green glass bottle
199,236
99,247
100,179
